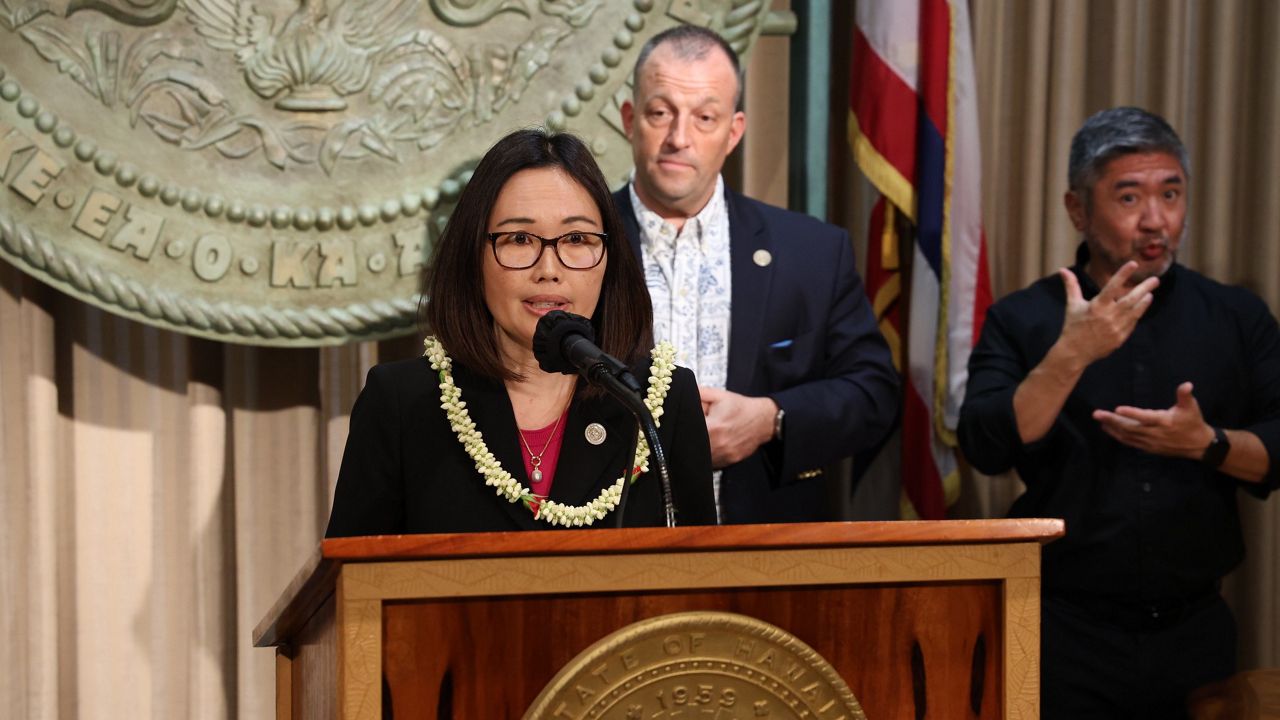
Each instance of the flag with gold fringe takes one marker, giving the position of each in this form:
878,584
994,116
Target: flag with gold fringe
913,126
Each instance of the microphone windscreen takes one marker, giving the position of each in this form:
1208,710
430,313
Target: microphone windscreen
548,340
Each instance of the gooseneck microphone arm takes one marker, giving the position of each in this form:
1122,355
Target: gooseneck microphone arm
565,343
593,363
600,375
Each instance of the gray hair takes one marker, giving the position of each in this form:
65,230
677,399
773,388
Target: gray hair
690,43
1115,132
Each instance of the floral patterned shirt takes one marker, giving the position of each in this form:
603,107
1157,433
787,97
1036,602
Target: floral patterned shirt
689,280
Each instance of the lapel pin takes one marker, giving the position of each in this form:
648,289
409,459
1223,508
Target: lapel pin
595,433
762,258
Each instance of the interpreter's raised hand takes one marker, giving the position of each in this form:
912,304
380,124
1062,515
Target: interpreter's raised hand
1093,329
1179,431
736,424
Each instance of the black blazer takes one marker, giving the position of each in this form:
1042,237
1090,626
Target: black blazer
404,471
801,331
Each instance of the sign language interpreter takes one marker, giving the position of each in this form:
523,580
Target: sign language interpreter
1135,398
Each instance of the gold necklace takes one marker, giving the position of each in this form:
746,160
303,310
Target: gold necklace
536,459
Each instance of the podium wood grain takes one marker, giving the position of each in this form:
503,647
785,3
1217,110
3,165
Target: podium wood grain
937,620
437,662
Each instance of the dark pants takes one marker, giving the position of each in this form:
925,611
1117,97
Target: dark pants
1100,664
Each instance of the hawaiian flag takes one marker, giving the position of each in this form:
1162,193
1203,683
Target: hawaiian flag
913,125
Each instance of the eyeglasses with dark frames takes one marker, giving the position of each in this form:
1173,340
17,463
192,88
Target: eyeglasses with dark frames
520,250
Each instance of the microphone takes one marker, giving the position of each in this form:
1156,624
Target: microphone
565,343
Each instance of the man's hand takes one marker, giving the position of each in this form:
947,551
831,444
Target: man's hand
736,424
1093,330
1179,431
1090,331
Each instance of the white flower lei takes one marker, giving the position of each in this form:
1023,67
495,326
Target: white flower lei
507,486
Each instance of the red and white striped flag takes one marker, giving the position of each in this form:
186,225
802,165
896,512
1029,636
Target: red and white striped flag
913,124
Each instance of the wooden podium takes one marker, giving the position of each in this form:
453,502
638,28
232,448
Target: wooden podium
920,619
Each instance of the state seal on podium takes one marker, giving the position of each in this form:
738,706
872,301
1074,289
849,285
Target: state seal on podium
697,664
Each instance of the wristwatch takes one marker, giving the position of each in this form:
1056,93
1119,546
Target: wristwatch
777,424
1217,451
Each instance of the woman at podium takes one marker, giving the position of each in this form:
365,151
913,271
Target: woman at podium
474,436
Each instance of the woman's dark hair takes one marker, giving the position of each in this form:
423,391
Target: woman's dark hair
453,284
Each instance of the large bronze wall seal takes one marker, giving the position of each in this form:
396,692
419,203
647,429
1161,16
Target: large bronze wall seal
275,171
697,664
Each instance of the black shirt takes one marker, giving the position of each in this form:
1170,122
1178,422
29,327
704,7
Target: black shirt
1140,527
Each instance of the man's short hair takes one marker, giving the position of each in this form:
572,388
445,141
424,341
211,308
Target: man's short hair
689,43
1115,132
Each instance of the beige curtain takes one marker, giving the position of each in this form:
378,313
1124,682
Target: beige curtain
158,491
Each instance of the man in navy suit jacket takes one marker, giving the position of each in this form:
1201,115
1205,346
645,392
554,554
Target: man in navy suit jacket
809,379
